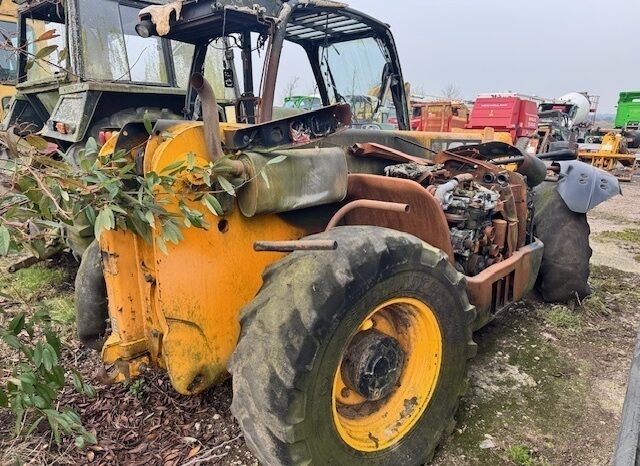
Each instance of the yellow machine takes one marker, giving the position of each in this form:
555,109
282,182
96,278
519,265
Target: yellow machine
346,268
8,59
612,155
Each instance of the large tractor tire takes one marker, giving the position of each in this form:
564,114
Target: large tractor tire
353,357
564,272
91,299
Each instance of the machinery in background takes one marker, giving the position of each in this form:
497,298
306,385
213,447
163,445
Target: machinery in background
627,122
8,59
611,155
628,117
506,112
438,115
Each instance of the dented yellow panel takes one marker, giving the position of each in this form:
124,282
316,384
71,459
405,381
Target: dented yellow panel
184,307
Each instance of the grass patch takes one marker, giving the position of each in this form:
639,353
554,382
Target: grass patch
61,309
563,318
26,283
521,456
630,235
595,306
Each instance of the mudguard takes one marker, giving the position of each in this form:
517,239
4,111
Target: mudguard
582,186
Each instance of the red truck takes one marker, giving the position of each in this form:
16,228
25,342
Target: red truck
516,115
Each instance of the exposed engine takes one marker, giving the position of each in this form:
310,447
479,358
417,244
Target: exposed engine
473,209
469,210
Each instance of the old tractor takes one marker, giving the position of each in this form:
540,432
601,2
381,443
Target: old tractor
83,69
8,61
84,72
341,286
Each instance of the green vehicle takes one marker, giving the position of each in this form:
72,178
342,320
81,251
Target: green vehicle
628,117
303,102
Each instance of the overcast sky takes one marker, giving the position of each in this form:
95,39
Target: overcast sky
542,47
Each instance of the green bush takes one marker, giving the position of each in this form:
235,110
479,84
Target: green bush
38,378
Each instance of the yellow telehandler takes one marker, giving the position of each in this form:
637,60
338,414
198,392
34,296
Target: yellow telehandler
342,279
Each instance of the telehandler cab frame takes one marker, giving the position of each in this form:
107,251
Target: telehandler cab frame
351,349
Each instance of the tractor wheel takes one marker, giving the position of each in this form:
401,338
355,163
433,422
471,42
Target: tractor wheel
353,357
91,299
564,272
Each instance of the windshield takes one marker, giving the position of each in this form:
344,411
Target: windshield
113,51
354,72
46,46
8,59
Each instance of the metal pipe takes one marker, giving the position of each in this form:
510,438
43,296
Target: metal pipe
500,227
299,245
210,116
211,122
366,204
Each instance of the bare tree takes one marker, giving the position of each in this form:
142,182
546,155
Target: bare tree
291,86
451,92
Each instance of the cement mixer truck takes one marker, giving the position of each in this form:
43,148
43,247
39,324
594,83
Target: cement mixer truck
564,122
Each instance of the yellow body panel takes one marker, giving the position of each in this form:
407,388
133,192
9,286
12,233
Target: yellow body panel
181,311
186,305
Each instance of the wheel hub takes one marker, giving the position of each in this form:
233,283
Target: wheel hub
373,364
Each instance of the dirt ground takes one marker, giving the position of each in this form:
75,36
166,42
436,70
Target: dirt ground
546,388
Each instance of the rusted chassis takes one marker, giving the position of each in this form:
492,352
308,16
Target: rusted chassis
181,311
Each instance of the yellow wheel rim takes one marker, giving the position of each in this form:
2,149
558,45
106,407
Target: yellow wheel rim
367,425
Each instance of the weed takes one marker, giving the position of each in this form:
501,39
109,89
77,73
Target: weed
562,317
136,388
630,235
595,306
521,455
61,309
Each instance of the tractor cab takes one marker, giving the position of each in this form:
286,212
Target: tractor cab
82,62
340,54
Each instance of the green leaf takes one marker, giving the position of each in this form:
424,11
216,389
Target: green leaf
104,221
162,245
147,123
36,141
54,341
90,213
278,159
173,166
45,51
11,340
4,399
5,240
211,203
150,218
90,149
17,324
63,54
37,356
80,443
226,185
